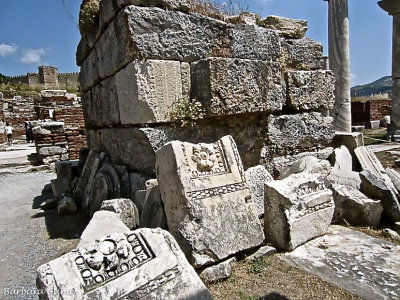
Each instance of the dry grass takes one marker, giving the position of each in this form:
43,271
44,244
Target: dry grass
272,278
218,9
371,97
376,233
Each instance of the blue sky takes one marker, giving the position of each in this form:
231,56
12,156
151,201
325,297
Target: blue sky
39,32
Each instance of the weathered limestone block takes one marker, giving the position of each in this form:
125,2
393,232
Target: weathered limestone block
347,178
310,90
297,209
217,272
66,205
394,177
289,28
303,54
355,208
310,165
370,162
256,178
142,92
126,210
280,164
376,188
153,33
153,214
103,223
341,158
299,132
86,178
206,199
53,150
219,85
261,252
254,42
60,186
106,185
64,169
142,264
148,89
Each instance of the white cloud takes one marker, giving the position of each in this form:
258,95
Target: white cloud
6,50
353,78
32,56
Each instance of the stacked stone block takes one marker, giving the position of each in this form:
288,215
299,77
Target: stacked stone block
266,87
18,110
66,108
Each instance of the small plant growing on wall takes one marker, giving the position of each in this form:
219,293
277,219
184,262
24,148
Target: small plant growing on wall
186,112
89,16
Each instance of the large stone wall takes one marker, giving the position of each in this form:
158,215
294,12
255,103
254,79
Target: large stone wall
146,69
16,111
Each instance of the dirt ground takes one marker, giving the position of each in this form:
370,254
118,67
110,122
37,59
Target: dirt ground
29,236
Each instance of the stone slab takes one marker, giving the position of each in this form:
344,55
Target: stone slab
219,85
256,178
310,90
206,199
341,159
261,252
153,214
354,208
297,209
142,264
365,266
220,271
310,165
103,223
126,210
289,28
347,178
60,186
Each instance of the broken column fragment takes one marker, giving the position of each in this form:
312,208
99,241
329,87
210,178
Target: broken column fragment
297,209
206,199
141,264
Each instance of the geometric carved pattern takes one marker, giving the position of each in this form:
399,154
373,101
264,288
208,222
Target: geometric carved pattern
154,284
111,259
230,188
313,209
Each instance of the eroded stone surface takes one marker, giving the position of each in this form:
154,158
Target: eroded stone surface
354,208
256,178
220,271
141,264
219,85
310,165
310,90
290,28
341,159
153,214
344,177
297,209
126,210
363,265
207,200
303,54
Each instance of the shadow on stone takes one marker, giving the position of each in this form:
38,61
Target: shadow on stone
64,226
273,296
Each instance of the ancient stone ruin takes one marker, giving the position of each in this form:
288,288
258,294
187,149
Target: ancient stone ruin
216,133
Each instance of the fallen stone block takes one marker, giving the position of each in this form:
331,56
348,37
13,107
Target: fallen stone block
297,209
391,234
59,187
206,200
217,272
219,85
358,263
64,170
309,165
53,150
66,205
341,159
347,178
256,177
289,28
106,185
126,210
153,214
354,208
376,188
141,264
310,90
103,223
394,177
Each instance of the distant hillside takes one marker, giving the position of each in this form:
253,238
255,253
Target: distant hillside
381,86
3,78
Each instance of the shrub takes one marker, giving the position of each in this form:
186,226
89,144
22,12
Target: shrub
219,9
185,112
89,16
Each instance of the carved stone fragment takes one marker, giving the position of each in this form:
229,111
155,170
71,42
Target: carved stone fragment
209,211
297,209
142,264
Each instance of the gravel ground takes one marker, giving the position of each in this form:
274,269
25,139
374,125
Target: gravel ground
29,236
